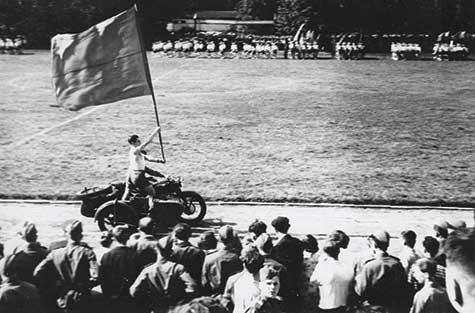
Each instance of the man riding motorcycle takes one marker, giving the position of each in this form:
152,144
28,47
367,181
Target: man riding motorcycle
137,169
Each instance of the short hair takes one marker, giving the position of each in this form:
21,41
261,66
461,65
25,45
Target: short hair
121,233
268,271
310,244
182,231
441,230
409,237
106,239
281,224
132,139
340,238
146,225
257,227
208,241
460,249
252,259
427,266
431,245
331,248
227,235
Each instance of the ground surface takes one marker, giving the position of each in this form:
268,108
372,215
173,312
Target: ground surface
325,130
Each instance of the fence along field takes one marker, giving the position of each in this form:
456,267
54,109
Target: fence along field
274,130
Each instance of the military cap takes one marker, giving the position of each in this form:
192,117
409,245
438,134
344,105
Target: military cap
73,226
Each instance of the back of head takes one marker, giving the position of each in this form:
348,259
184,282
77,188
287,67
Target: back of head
441,229
340,238
310,244
431,245
207,241
74,230
182,231
121,234
331,248
409,238
146,225
268,271
264,244
381,240
252,259
427,266
106,239
28,232
227,235
281,224
257,227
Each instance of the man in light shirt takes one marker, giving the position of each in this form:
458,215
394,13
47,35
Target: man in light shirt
333,278
136,174
408,255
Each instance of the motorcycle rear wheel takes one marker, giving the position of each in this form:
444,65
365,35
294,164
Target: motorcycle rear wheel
115,213
195,208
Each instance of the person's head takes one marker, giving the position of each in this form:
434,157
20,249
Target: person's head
431,246
120,234
134,140
146,225
379,241
425,270
227,235
251,259
441,230
457,224
409,238
9,269
28,232
182,231
310,244
331,248
264,244
460,272
106,239
269,281
74,230
207,241
257,228
281,224
340,238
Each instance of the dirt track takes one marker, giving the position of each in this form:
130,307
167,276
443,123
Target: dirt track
357,222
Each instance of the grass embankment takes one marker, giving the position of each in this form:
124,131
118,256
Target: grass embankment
375,131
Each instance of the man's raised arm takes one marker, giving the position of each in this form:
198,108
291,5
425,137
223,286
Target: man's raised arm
149,139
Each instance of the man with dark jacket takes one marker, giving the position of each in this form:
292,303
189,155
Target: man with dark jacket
288,251
220,265
118,270
184,253
144,243
382,282
74,266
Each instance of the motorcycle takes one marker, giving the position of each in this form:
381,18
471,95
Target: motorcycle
171,204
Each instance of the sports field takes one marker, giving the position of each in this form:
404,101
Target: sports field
275,130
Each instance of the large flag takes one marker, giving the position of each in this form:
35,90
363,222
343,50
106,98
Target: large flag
103,64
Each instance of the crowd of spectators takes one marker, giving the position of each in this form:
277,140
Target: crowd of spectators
450,51
222,272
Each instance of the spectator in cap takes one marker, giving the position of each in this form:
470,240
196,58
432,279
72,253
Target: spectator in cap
118,270
16,295
106,242
144,242
61,243
208,242
222,264
408,255
29,254
382,281
431,249
288,251
333,278
74,266
184,253
460,272
255,230
243,288
432,297
164,284
269,285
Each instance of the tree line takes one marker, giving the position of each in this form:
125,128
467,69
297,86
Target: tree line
39,20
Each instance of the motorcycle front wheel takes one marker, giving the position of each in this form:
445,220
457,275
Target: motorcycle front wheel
194,208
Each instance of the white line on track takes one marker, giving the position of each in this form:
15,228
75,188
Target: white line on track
43,132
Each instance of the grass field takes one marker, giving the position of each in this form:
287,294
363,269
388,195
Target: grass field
276,130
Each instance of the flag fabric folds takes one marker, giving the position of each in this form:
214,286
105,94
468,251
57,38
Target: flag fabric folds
103,64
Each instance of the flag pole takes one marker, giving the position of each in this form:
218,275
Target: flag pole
149,80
